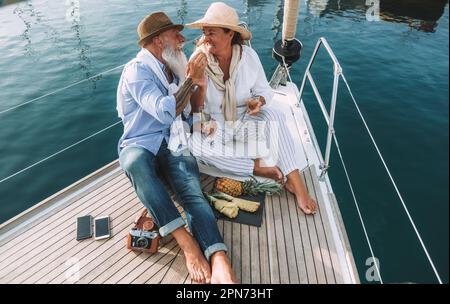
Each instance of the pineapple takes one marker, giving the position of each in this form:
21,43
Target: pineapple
229,186
224,206
242,204
249,187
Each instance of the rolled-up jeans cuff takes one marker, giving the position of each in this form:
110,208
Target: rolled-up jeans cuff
171,226
213,249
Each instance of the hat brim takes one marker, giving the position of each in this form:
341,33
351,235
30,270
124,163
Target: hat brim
180,27
245,34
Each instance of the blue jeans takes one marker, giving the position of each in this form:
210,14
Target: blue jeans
145,170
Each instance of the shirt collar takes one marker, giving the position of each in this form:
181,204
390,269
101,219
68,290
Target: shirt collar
161,65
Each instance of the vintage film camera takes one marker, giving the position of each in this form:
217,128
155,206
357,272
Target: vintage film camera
144,235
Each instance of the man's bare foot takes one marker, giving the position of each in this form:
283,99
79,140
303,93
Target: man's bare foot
307,204
222,273
197,266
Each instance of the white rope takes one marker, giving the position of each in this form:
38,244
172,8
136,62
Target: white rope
54,154
290,79
287,69
59,90
357,208
393,182
69,86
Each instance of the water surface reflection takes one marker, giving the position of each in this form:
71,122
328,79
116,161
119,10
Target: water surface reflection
417,14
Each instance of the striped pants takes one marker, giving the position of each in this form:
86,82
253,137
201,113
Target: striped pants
233,150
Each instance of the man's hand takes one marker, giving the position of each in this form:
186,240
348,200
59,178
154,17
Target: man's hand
195,75
196,70
254,105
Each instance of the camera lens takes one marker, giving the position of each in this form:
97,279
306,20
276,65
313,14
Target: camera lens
142,243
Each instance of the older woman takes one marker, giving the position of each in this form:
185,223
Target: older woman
236,85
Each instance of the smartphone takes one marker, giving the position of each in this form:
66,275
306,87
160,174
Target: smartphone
84,227
102,227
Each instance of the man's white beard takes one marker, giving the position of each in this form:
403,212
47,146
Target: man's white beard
177,61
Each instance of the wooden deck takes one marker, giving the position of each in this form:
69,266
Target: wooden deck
39,245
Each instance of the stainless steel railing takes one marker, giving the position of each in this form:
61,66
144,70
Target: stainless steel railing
329,117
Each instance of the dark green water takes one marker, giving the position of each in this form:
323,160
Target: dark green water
397,68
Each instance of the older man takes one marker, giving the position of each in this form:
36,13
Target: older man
153,91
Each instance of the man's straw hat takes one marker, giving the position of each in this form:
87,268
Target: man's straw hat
155,24
221,15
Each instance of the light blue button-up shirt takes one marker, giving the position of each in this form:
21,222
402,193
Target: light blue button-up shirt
147,110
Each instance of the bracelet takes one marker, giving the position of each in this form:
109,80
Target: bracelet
183,95
262,100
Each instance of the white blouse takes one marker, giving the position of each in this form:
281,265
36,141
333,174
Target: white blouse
250,81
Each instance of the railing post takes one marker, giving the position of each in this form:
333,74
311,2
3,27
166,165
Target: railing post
337,73
329,117
311,61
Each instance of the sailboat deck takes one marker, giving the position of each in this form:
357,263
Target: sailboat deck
289,247
39,245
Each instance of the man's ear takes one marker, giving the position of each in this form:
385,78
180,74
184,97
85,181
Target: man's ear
157,41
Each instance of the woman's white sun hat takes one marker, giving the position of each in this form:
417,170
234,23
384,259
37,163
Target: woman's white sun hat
221,15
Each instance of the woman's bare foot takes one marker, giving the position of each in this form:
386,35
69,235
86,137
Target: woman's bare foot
222,273
289,187
197,266
296,186
270,172
307,204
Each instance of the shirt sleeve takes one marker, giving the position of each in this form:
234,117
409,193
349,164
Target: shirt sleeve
187,114
141,85
261,86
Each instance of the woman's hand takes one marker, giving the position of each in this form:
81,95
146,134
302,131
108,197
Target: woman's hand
199,78
202,82
196,70
254,105
209,127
